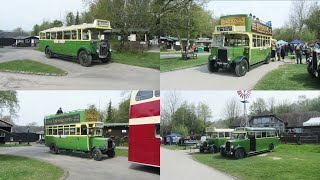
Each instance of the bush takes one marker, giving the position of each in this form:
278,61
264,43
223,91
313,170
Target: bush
163,49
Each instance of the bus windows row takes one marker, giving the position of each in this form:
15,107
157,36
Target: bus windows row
262,134
69,35
143,95
72,130
261,41
220,135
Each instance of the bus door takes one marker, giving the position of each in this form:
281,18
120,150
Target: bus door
252,139
82,139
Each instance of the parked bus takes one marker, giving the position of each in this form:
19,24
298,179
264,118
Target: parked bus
240,42
250,140
77,131
314,63
215,139
144,128
83,43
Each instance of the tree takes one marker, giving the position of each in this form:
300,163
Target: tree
32,124
18,30
70,19
204,113
9,103
56,23
231,111
109,113
122,114
8,119
93,107
258,106
272,104
35,30
313,21
300,11
77,20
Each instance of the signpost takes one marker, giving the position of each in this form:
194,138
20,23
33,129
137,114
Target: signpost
244,94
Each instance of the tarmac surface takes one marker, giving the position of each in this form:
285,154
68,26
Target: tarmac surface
78,166
99,76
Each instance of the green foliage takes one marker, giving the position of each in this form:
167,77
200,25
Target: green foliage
70,19
121,115
109,112
35,30
258,106
9,103
77,20
181,129
313,22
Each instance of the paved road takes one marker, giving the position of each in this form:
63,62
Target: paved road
100,76
177,165
80,167
199,78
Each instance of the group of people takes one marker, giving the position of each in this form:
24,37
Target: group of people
297,49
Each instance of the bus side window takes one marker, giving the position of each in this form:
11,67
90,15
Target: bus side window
66,35
264,134
142,95
157,93
59,35
157,131
85,34
74,34
227,134
221,135
79,34
84,130
47,35
258,134
53,35
50,131
54,132
72,131
78,131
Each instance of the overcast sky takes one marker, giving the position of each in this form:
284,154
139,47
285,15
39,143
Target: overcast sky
27,13
217,99
34,105
275,11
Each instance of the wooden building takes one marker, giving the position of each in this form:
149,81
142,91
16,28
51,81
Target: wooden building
120,130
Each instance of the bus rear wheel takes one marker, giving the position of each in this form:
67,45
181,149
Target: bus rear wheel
111,153
48,52
239,154
242,68
271,147
97,154
85,59
54,149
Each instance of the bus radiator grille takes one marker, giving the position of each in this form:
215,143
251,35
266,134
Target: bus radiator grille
223,55
227,146
103,50
314,61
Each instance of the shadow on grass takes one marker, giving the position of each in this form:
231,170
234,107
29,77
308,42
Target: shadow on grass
306,80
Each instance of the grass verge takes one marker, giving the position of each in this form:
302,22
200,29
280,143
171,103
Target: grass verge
286,162
14,145
288,77
178,63
27,66
15,167
146,59
121,152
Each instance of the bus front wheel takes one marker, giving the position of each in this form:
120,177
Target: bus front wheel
48,52
85,59
97,154
111,153
271,147
242,68
107,59
213,66
310,70
239,154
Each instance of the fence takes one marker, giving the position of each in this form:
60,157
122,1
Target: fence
299,139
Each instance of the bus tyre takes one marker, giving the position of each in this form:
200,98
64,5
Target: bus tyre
213,66
239,154
310,70
85,59
201,150
97,155
271,147
223,152
54,149
48,52
242,68
111,153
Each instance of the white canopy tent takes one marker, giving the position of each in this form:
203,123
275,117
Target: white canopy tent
312,122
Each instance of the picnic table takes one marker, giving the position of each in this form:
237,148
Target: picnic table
189,54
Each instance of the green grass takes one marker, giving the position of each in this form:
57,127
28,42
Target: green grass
288,77
297,162
146,59
14,145
121,152
173,147
178,63
15,168
30,66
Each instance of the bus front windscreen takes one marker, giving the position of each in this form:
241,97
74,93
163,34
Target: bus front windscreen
238,135
95,34
236,40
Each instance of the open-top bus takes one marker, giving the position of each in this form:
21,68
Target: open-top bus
215,139
144,128
77,131
83,43
250,140
240,42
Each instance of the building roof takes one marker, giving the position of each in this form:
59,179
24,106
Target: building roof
5,124
312,122
24,129
26,37
12,34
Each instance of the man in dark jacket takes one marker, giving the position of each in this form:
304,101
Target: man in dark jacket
298,51
60,111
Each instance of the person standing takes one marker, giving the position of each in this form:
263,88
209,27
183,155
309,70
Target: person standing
273,51
59,111
278,50
283,51
298,52
307,51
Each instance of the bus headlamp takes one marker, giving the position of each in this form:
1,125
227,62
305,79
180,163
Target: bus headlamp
231,146
214,57
98,50
110,50
229,59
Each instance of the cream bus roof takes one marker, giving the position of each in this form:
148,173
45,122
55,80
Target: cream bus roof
213,129
97,24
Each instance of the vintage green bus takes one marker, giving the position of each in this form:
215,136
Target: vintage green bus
250,140
215,139
240,42
83,43
79,130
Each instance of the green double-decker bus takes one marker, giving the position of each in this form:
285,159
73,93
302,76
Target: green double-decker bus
83,43
215,139
250,140
77,131
240,42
